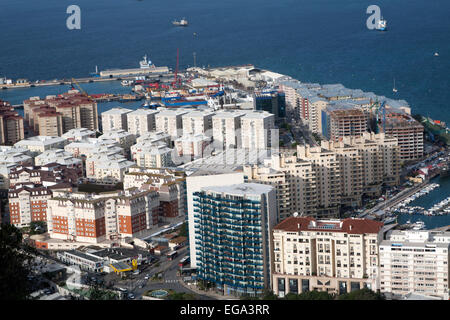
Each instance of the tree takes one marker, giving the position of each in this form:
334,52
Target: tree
309,295
362,294
269,295
15,264
183,232
95,293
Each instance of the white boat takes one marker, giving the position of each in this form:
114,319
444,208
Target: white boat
382,25
394,89
436,54
419,225
144,63
126,82
182,23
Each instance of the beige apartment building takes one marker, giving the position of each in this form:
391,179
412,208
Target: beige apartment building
345,122
318,180
415,262
77,110
409,133
49,123
335,256
11,124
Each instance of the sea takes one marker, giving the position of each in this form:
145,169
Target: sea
323,41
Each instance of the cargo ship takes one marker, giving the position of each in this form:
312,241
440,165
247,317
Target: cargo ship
182,23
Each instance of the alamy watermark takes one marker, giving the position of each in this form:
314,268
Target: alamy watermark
73,22
374,18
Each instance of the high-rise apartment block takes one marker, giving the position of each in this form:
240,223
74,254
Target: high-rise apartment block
335,256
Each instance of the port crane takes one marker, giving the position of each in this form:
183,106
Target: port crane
176,81
380,107
73,81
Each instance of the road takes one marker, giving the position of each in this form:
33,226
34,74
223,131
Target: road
169,280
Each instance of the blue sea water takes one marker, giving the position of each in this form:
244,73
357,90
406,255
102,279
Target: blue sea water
323,41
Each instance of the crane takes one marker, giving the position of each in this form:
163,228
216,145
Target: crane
73,81
176,80
380,107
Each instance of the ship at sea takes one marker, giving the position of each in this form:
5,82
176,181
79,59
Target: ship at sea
182,23
382,25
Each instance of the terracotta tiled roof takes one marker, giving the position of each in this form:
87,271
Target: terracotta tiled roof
349,225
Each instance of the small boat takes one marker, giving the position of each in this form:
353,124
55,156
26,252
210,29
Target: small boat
382,25
394,89
419,225
436,54
182,23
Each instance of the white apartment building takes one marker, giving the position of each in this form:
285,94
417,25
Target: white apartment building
153,156
141,121
197,122
78,134
11,157
115,118
92,146
58,156
193,145
196,182
226,126
39,144
153,137
258,130
123,138
170,121
415,262
88,218
107,167
336,256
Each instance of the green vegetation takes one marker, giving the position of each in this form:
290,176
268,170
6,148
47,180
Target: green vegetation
310,295
439,132
363,294
183,232
95,188
316,137
15,264
180,296
95,293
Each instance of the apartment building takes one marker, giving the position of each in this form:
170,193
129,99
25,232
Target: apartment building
92,146
194,183
78,134
61,157
87,218
38,144
28,202
107,167
318,180
408,132
154,137
328,173
11,157
48,122
122,137
11,124
47,175
335,256
338,123
258,130
233,224
115,119
227,129
141,121
76,110
170,121
169,184
197,122
415,262
193,146
150,155
271,101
